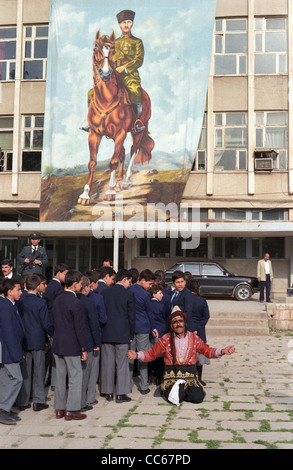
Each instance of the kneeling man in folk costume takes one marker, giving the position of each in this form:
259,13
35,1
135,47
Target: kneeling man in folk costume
180,348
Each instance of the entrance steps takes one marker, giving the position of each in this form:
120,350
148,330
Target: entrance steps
237,323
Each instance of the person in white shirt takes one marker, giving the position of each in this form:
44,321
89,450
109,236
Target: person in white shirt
265,277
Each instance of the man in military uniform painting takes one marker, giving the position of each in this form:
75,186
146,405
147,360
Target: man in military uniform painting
128,57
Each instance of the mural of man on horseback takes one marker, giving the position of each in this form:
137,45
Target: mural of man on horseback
118,105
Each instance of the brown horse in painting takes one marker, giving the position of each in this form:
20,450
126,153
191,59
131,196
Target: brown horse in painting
111,114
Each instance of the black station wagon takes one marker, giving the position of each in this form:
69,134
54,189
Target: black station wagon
216,280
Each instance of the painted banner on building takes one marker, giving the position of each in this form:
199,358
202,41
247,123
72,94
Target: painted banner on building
125,100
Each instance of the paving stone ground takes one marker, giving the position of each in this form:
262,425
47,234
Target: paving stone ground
248,405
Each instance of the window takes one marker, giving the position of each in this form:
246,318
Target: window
230,47
272,133
270,46
230,141
255,214
7,53
33,128
200,159
6,143
249,247
170,248
35,52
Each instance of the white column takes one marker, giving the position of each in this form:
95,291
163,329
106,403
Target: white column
290,95
16,111
250,98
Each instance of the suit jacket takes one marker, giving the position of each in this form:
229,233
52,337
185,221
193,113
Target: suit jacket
52,291
261,270
40,254
69,325
93,328
101,286
100,306
120,308
11,333
36,321
183,300
199,316
160,315
144,322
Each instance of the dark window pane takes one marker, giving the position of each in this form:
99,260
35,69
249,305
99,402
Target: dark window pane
12,71
7,50
39,121
41,47
9,162
27,140
28,50
31,161
2,70
33,70
38,139
42,31
28,32
7,33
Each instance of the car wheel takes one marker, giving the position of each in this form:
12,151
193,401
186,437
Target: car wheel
243,292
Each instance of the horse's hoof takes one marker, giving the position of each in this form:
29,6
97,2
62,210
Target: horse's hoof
118,187
79,200
127,185
85,202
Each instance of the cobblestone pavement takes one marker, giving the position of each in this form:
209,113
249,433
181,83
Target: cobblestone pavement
248,405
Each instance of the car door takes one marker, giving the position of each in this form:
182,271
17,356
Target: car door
213,280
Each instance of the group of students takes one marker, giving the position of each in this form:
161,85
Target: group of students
76,333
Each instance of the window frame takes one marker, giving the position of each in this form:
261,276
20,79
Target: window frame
222,128
222,32
31,40
261,33
10,61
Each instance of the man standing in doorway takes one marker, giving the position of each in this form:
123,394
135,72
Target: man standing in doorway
265,277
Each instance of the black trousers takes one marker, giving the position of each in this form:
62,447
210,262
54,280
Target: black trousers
191,391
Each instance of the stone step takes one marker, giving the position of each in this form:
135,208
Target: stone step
238,323
220,330
241,315
230,321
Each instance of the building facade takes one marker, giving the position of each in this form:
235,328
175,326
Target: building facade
242,177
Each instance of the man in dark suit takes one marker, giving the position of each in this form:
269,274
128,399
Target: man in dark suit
34,257
11,351
101,318
116,335
69,348
93,332
8,271
37,325
106,279
54,288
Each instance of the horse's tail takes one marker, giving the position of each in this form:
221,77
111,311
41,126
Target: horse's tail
143,145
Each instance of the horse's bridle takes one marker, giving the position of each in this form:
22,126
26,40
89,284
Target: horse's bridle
105,76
